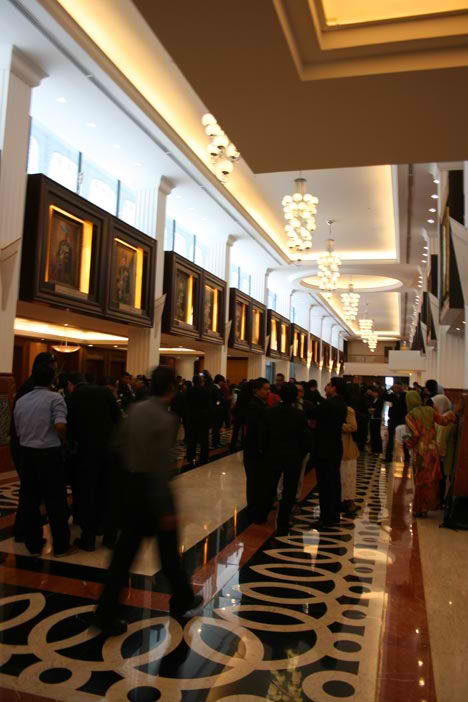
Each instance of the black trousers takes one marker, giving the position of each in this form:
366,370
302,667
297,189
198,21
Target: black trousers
43,480
198,433
290,470
376,435
236,428
329,486
91,472
254,480
140,521
216,430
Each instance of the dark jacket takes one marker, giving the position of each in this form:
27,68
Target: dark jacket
198,401
314,397
284,434
377,405
93,414
397,412
330,416
256,409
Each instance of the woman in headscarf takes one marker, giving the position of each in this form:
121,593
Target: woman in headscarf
421,421
445,442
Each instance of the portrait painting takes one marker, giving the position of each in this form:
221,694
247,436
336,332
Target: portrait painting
274,335
181,296
124,274
65,243
240,321
209,309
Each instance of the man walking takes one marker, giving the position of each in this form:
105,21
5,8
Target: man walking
330,416
147,444
396,416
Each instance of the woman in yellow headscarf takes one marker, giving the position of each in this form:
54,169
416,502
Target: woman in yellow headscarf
421,422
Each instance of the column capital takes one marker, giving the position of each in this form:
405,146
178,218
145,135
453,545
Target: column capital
166,186
231,240
25,69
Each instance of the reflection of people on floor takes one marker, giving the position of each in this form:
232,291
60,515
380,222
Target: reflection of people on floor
421,421
147,437
253,457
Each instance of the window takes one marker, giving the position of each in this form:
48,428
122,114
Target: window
63,170
272,299
169,234
127,205
102,195
33,156
98,186
244,282
201,254
234,280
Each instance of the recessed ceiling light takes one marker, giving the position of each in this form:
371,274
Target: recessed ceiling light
463,322
90,344
115,346
426,247
435,196
432,209
65,325
436,181
431,221
458,328
91,124
61,99
116,146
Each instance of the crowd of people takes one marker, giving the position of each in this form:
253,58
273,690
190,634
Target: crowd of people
113,444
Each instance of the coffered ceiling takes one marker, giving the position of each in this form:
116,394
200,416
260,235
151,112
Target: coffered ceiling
292,93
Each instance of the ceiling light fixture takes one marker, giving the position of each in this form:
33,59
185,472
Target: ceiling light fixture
223,153
430,221
432,209
350,302
299,212
436,181
372,340
65,348
329,266
435,196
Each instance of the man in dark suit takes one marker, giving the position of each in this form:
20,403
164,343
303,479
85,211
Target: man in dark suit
312,393
375,424
253,458
93,415
330,416
284,441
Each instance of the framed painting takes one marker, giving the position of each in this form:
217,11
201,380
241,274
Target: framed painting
124,274
64,249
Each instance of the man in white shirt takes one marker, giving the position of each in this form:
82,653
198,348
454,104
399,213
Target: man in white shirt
41,424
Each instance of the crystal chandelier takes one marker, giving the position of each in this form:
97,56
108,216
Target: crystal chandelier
329,267
350,301
372,340
299,212
365,328
223,153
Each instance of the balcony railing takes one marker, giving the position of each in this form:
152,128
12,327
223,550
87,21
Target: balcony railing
367,359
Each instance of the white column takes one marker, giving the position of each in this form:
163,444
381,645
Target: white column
216,359
18,76
144,342
451,359
257,362
185,366
265,292
283,366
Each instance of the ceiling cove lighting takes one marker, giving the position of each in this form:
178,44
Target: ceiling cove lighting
435,197
329,267
299,212
223,153
350,301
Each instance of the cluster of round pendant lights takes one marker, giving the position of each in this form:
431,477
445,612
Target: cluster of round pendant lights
223,153
299,211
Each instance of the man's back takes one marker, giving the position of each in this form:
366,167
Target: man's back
36,413
284,432
330,416
92,414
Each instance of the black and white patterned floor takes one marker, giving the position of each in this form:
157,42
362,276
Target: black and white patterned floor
300,621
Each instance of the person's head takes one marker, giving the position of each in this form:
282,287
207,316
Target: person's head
208,379
45,358
372,392
90,378
141,381
126,378
163,383
292,380
289,394
300,391
75,379
397,388
198,380
111,383
313,385
413,400
335,387
261,388
43,375
432,387
279,379
219,379
441,403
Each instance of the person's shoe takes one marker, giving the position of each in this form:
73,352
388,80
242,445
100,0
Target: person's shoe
109,627
69,552
36,552
85,544
186,610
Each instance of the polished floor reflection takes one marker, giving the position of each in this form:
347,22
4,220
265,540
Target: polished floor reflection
329,615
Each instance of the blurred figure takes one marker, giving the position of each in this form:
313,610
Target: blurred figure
312,393
126,394
141,388
396,417
279,382
446,443
348,467
238,412
284,442
219,409
147,441
253,457
41,424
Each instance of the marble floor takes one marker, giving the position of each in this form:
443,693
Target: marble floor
363,611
